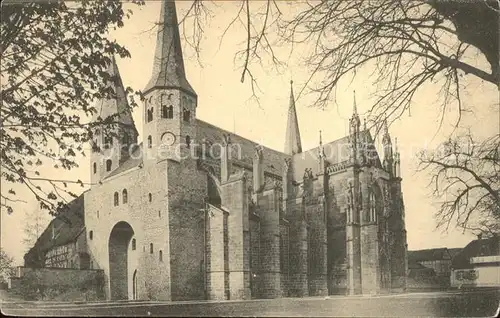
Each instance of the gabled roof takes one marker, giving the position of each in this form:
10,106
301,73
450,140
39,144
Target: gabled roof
433,254
454,251
63,229
480,247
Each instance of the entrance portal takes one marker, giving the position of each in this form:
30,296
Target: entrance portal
119,239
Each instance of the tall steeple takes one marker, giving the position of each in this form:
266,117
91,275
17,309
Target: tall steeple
168,67
293,144
118,105
355,121
114,141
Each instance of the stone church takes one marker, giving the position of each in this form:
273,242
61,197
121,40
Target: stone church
197,212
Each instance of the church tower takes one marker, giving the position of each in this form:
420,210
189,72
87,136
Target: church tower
170,101
293,144
112,144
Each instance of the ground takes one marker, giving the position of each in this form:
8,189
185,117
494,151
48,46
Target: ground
478,303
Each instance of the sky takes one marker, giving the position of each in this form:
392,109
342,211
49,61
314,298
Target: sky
226,102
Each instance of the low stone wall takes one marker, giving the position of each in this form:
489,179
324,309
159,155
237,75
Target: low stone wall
63,284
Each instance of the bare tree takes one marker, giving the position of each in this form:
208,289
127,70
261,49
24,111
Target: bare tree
406,43
466,179
35,223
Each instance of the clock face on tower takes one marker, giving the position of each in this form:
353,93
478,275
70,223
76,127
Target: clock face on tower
168,138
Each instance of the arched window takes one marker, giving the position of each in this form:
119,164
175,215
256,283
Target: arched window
150,141
186,115
109,163
160,254
94,167
134,246
91,235
164,111
124,196
150,114
97,213
150,196
170,112
150,248
117,199
188,141
159,214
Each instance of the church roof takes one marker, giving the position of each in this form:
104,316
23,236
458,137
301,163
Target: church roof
273,159
168,63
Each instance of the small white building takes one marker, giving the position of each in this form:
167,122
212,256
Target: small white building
477,265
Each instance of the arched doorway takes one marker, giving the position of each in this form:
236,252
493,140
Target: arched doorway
119,240
134,285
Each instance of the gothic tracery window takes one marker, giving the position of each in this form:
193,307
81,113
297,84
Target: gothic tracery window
373,207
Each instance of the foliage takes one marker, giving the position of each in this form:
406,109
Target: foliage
466,178
54,60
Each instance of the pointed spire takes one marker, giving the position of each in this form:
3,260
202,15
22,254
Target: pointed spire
321,150
117,104
168,65
355,121
355,107
386,138
292,143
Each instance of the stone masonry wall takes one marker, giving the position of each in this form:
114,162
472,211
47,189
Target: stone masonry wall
269,244
234,199
187,189
298,285
215,254
284,256
255,256
147,218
